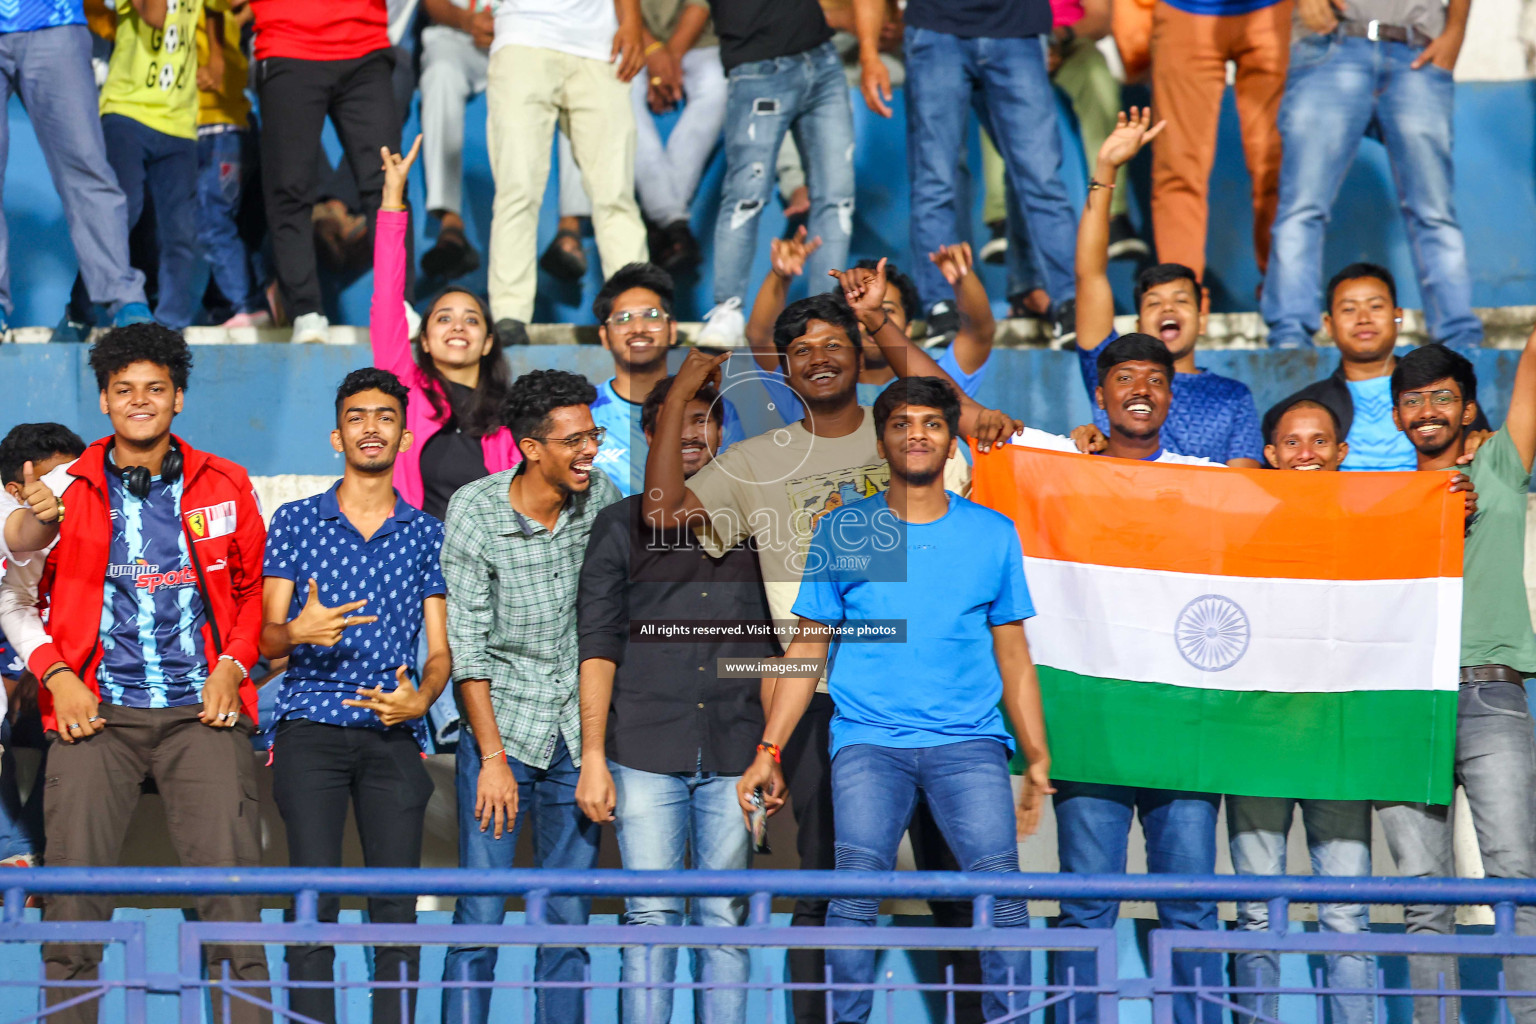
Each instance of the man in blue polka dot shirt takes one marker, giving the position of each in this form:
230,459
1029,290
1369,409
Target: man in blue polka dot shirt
352,581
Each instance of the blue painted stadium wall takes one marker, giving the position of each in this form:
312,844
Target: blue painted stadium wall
1496,197
268,407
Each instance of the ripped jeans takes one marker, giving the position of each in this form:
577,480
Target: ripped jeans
805,94
967,787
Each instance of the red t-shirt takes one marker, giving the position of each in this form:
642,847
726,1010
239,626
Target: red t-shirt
320,29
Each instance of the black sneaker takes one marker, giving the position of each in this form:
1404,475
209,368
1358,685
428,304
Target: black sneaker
995,251
511,332
1064,324
943,321
680,250
1124,243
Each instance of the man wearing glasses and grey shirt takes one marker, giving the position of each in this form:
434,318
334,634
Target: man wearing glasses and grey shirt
512,554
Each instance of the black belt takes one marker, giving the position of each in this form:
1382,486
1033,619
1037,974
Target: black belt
1375,31
1491,674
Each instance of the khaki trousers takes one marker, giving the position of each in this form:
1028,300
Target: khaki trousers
528,88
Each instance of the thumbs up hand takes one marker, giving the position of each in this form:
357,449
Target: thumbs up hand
37,496
402,704
322,626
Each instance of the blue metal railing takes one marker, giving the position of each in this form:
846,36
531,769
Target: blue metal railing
759,888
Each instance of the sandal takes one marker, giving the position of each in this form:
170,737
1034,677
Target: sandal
566,264
451,257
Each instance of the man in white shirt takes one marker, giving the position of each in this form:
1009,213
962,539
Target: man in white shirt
556,59
1135,392
34,464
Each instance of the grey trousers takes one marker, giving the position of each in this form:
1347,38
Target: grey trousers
1496,763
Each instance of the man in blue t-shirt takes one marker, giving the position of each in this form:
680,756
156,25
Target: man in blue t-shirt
986,55
45,54
1363,319
352,584
917,715
1212,416
635,325
963,361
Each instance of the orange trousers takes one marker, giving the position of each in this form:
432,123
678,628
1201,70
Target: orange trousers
1189,75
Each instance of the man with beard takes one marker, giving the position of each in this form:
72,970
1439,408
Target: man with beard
635,325
773,488
1093,820
1363,320
1211,416
963,361
1133,393
512,553
665,734
352,582
1434,399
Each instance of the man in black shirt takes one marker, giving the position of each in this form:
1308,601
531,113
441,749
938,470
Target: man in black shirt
784,75
664,736
988,55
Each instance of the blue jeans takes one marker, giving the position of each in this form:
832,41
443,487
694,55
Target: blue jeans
1339,840
659,819
21,822
1005,81
805,94
152,164
50,69
1093,824
874,792
1339,90
563,838
222,172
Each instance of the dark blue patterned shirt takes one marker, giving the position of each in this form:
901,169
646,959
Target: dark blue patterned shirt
1212,417
31,15
395,570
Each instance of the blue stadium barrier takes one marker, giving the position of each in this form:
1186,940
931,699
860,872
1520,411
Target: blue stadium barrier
1115,994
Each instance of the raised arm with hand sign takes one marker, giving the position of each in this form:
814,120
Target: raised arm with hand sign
397,170
37,496
35,525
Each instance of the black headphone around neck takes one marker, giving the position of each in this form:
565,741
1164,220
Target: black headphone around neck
138,478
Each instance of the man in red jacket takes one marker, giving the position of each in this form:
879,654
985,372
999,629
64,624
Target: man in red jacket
154,588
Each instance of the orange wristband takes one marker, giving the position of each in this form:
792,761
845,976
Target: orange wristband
772,750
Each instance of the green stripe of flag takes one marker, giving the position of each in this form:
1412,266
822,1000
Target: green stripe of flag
1390,745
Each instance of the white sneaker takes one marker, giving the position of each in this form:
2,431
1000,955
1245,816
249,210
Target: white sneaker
724,326
310,327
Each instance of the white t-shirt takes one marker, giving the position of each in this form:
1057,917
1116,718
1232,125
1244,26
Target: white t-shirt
19,618
583,28
1029,437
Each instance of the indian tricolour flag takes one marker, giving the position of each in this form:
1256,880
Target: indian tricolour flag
1255,632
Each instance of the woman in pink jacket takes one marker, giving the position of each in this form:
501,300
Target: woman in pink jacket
456,373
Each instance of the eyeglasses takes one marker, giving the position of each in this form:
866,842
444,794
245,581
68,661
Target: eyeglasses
651,319
1440,399
576,442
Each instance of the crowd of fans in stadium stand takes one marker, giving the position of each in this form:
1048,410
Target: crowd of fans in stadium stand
494,544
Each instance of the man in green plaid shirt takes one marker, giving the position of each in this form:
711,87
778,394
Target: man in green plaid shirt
512,557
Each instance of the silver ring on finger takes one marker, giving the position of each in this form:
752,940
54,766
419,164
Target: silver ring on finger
74,725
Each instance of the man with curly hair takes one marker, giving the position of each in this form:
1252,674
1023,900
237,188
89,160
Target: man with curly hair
512,555
154,597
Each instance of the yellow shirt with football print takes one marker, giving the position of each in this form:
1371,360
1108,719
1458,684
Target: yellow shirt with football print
153,75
